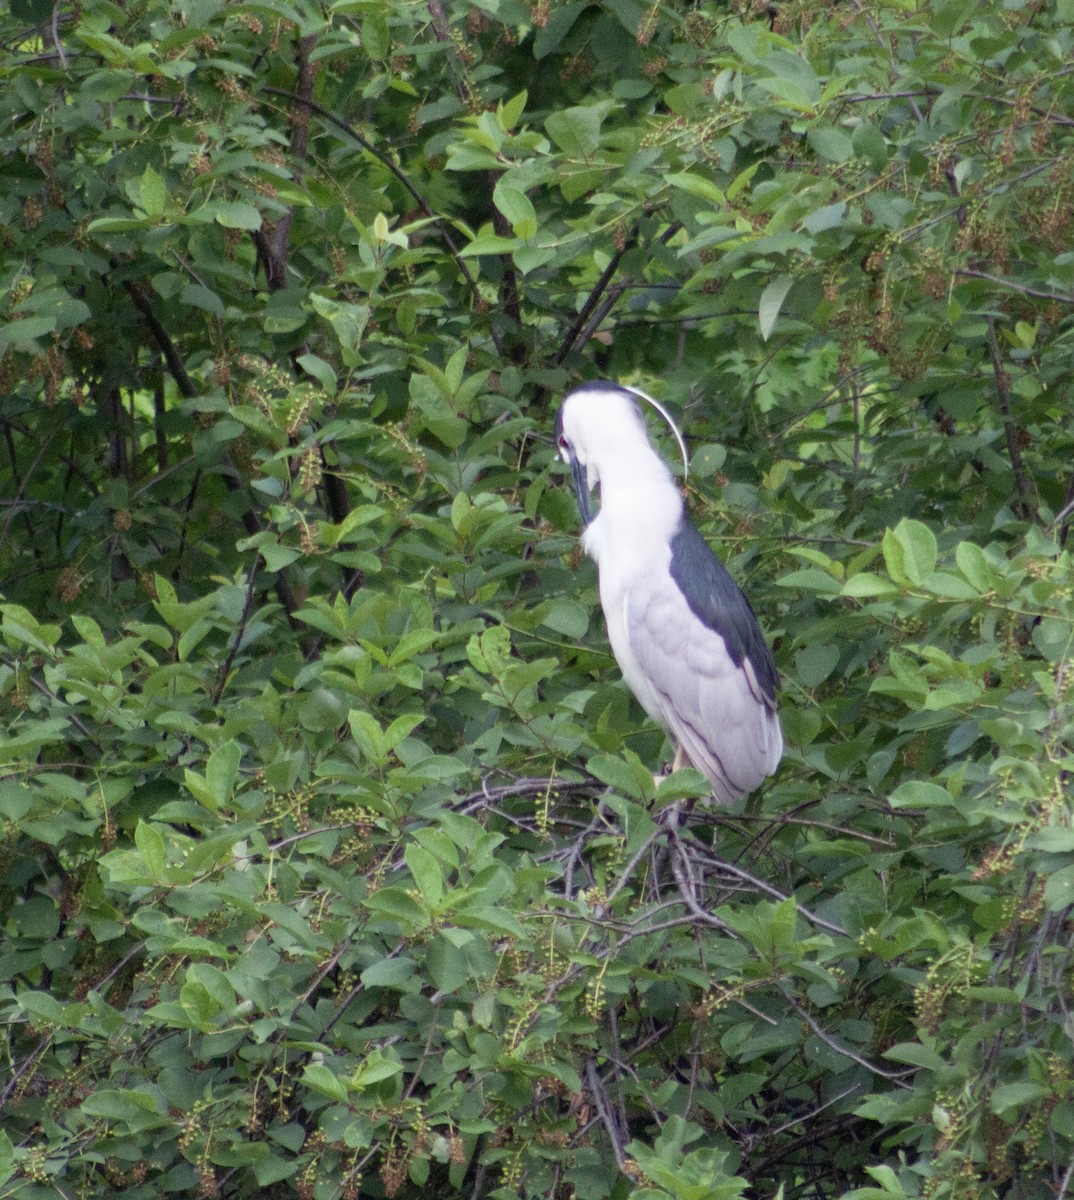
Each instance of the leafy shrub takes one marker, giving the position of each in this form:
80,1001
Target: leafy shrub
334,862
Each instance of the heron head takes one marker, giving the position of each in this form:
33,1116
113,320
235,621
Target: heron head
589,425
600,425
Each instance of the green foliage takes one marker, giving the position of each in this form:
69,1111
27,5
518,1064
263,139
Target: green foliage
333,860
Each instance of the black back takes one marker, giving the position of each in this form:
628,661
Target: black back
716,600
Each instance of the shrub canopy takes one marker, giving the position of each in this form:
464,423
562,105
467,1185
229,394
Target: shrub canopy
333,860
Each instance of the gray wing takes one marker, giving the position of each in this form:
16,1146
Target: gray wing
720,713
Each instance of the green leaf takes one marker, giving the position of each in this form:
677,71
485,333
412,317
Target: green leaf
920,793
830,143
815,663
25,330
21,628
221,772
151,847
909,552
322,1079
771,302
866,586
7,1150
869,143
510,111
368,736
376,39
516,207
42,1007
427,874
394,973
1018,1095
488,244
446,964
197,296
628,777
1059,889
1054,637
812,579
696,185
916,1055
397,903
152,193
1052,839
568,617
320,370
33,11
576,131
943,583
129,1107
890,1184
273,1169
234,214
376,1068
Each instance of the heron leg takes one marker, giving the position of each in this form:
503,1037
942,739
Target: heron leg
677,763
682,807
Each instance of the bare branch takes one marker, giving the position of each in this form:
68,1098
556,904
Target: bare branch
896,1077
591,301
738,873
240,630
1012,285
603,1105
386,161
1011,432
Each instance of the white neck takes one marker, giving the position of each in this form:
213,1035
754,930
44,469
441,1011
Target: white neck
640,510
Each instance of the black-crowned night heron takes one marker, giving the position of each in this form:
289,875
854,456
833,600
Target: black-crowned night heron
684,635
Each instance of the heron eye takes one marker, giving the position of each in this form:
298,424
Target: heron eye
563,445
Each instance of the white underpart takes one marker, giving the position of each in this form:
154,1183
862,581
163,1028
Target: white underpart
678,668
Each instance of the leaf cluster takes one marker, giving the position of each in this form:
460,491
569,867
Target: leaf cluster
333,860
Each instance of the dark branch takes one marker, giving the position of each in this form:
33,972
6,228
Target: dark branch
419,199
1025,506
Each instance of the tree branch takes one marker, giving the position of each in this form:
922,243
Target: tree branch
189,390
895,1077
613,296
603,1105
419,199
1021,288
161,336
1063,517
273,246
1011,432
225,668
567,345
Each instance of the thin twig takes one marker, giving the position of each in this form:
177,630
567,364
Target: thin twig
23,484
738,873
386,161
815,1112
22,1068
680,868
625,873
895,1077
285,593
606,276
163,340
1010,431
56,42
1021,288
604,1110
240,631
613,296
419,1066
1064,1185
781,820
